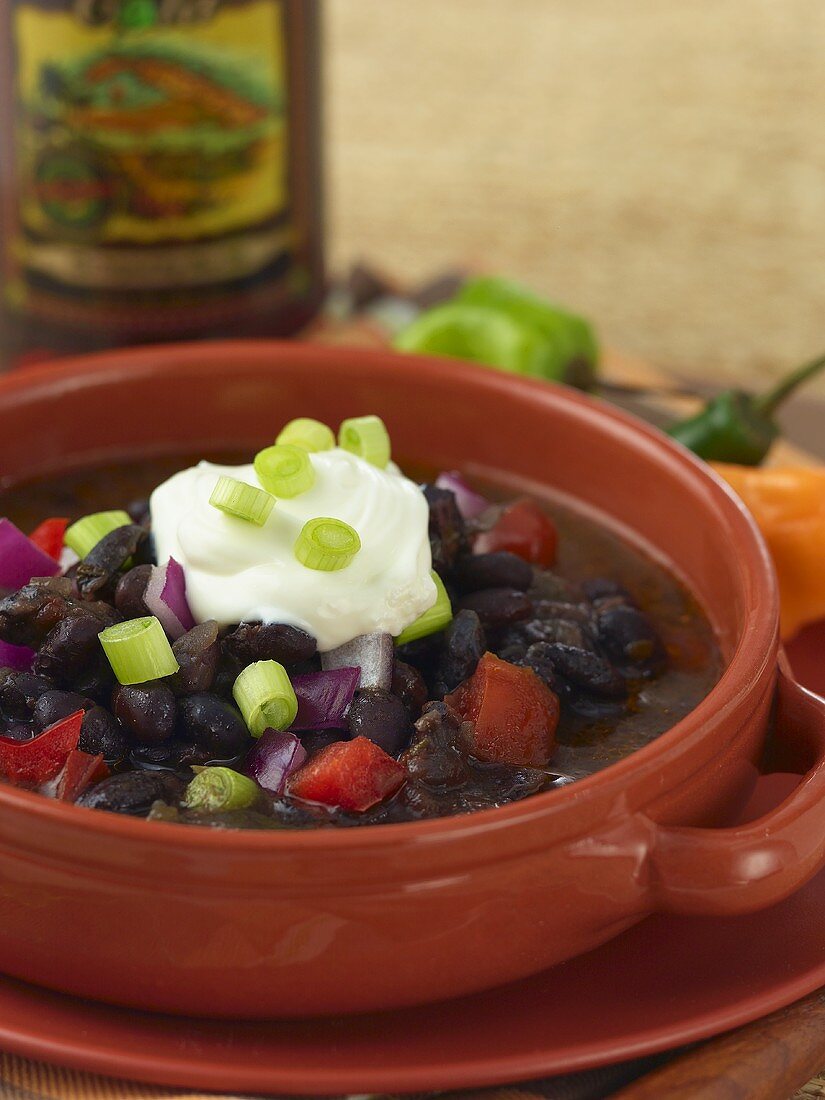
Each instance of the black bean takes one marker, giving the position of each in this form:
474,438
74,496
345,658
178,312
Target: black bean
98,572
269,642
315,740
434,758
102,733
54,705
586,669
421,654
19,692
462,648
133,792
448,537
600,588
96,680
409,685
138,511
382,717
198,653
562,631
214,724
498,607
176,754
147,711
68,649
629,638
550,586
561,609
539,657
27,616
498,570
19,731
130,590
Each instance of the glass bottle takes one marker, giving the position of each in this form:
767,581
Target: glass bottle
160,172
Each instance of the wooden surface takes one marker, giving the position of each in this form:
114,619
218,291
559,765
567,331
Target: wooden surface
766,1060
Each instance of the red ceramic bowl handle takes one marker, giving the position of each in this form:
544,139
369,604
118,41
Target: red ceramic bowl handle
723,872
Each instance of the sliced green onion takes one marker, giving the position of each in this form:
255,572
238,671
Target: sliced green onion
284,470
86,533
219,788
367,437
327,544
243,501
138,650
310,434
435,618
266,697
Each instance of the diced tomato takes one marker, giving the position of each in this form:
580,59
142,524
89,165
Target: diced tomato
49,536
31,763
514,714
523,529
353,775
80,771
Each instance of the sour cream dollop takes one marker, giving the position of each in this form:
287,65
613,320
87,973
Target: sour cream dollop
238,572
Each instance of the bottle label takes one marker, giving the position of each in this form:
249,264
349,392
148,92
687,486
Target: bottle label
150,154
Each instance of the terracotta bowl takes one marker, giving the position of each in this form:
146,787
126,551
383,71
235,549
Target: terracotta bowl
252,925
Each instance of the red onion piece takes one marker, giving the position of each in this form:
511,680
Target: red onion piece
165,597
324,698
470,503
20,559
18,657
373,653
275,756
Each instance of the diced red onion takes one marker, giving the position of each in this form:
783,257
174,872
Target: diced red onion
470,503
275,756
67,559
372,653
20,559
18,657
165,597
324,698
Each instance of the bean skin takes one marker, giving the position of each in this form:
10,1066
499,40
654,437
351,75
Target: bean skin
382,717
269,642
53,706
147,711
133,792
497,570
409,685
102,733
68,650
213,723
498,607
130,590
198,653
462,649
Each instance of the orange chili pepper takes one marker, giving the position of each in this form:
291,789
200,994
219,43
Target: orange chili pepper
788,504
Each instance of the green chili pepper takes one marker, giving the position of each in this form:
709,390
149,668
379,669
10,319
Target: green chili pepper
501,324
737,426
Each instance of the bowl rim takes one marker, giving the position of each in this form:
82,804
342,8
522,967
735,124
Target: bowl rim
753,655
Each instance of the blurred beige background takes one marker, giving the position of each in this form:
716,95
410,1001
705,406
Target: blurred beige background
657,164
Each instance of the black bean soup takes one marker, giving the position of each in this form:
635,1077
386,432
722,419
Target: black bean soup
615,641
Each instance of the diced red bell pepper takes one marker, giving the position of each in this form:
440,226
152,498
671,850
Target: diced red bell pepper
523,529
48,536
80,771
352,775
32,763
514,714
